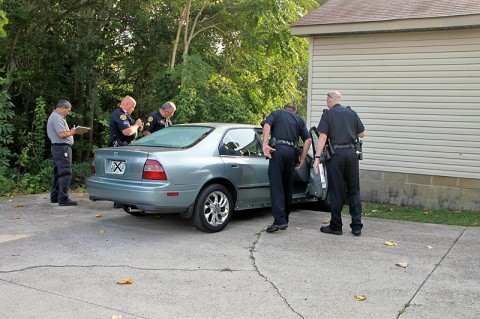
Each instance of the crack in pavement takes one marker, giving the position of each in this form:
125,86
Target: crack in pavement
120,266
71,298
100,266
252,250
409,303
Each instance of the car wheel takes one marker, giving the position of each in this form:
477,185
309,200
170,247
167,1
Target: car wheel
133,210
213,209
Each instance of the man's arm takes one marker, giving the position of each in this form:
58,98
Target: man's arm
306,147
65,134
266,148
132,129
322,139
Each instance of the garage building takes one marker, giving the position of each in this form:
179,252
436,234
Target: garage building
411,70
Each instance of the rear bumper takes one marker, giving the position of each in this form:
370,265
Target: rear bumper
146,195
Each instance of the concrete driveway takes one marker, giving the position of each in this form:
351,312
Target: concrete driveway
65,262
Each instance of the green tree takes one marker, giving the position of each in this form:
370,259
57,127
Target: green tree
7,128
218,60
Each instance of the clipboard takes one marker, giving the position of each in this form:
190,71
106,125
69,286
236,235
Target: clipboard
81,130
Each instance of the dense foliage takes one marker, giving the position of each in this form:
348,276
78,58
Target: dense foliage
218,60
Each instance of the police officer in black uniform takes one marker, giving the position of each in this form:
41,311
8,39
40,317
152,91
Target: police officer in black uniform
123,128
285,127
160,118
341,125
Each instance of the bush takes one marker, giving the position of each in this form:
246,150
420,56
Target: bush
12,182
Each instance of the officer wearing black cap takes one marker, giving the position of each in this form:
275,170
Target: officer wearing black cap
341,125
61,137
285,127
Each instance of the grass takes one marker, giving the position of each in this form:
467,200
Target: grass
421,215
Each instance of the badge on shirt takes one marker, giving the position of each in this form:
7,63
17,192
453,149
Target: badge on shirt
123,117
150,118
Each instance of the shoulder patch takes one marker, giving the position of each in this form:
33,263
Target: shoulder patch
123,117
150,118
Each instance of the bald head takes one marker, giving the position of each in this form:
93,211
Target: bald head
128,104
333,97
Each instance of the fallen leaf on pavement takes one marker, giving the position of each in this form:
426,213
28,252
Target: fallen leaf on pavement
360,297
390,243
18,205
126,281
98,216
298,228
102,231
79,194
429,247
14,217
325,222
402,264
117,317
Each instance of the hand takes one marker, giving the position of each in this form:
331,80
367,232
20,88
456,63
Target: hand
267,150
139,123
315,165
299,164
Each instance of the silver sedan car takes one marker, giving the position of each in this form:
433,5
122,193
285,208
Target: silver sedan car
201,171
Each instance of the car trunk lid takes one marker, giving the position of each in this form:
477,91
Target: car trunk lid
120,163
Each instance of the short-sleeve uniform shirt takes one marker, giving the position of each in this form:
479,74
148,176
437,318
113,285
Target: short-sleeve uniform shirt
341,125
155,121
286,125
120,120
56,123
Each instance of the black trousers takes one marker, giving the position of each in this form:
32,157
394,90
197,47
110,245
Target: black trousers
344,180
62,172
281,170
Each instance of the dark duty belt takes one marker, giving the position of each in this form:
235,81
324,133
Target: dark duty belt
61,144
350,145
284,142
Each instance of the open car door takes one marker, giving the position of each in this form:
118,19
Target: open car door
318,184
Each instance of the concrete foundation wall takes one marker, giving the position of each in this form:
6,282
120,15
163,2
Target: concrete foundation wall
415,190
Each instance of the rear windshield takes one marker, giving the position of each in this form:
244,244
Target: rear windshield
175,137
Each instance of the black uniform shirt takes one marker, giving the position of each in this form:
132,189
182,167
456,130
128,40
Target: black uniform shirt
120,120
341,125
286,125
155,121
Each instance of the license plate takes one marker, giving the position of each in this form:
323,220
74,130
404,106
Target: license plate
116,167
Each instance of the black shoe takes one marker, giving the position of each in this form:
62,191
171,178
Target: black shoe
274,228
328,230
356,232
67,203
53,201
116,206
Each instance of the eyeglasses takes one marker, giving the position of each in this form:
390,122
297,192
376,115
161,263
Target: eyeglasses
328,95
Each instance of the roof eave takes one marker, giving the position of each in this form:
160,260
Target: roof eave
417,24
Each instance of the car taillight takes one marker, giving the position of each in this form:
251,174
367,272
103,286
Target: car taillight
94,171
153,170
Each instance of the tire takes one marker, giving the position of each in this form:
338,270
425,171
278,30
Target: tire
213,209
133,210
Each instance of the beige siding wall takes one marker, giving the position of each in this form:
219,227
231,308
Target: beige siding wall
418,94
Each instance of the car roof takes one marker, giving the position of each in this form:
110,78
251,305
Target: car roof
220,125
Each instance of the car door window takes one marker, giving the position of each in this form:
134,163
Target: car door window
241,142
